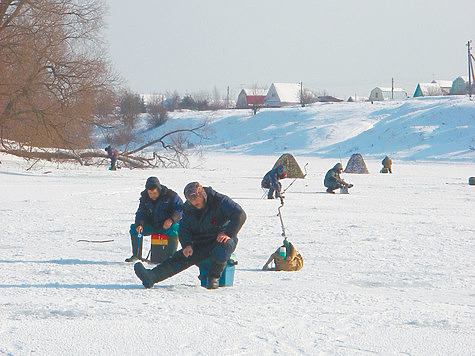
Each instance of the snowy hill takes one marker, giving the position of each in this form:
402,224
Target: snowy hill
414,129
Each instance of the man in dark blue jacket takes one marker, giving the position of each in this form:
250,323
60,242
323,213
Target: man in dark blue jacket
271,181
159,212
209,228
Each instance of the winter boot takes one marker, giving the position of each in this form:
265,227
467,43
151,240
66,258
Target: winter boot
136,249
215,270
213,283
329,190
145,275
270,194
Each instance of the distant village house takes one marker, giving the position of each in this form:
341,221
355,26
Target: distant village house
380,94
251,97
329,99
356,99
445,85
460,86
428,89
283,94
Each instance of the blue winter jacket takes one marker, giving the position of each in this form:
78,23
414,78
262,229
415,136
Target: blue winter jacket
167,206
272,177
202,226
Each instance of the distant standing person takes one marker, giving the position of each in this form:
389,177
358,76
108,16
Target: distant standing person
387,163
333,180
159,212
209,228
271,181
113,155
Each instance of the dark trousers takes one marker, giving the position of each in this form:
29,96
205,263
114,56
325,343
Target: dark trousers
274,187
219,253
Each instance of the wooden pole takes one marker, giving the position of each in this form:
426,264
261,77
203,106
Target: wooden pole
469,69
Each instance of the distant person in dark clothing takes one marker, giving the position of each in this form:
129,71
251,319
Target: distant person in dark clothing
159,212
113,154
271,181
387,163
209,228
333,180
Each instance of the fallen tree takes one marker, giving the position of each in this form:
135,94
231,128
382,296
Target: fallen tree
172,154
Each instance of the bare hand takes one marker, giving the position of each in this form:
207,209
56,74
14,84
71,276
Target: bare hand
187,251
139,229
167,224
222,237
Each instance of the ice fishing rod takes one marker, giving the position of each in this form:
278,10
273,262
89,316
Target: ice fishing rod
305,169
281,220
95,241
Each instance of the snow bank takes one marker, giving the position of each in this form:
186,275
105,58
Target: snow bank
413,129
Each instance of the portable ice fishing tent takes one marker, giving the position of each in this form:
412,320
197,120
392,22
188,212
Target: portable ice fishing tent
291,166
356,164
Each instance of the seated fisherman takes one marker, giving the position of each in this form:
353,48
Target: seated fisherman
387,163
159,212
333,180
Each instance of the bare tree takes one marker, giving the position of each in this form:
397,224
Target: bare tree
217,103
202,100
130,108
173,101
308,97
256,91
156,110
53,71
56,86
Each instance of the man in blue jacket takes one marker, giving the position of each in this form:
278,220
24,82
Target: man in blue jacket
271,181
159,212
209,228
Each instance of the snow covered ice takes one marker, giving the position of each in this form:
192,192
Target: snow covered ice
388,269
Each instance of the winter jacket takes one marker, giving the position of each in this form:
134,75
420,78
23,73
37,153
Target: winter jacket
294,263
332,178
387,162
271,178
202,226
167,206
112,152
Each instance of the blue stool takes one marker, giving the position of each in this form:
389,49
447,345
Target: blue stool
227,277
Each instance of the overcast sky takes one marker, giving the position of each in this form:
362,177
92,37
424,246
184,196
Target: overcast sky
343,47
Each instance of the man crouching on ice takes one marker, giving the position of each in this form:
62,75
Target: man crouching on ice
208,229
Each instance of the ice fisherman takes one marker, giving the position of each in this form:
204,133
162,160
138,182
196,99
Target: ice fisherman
208,229
271,181
113,155
333,180
387,163
285,258
159,212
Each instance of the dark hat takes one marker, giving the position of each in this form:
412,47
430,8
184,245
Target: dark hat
152,183
105,149
193,190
